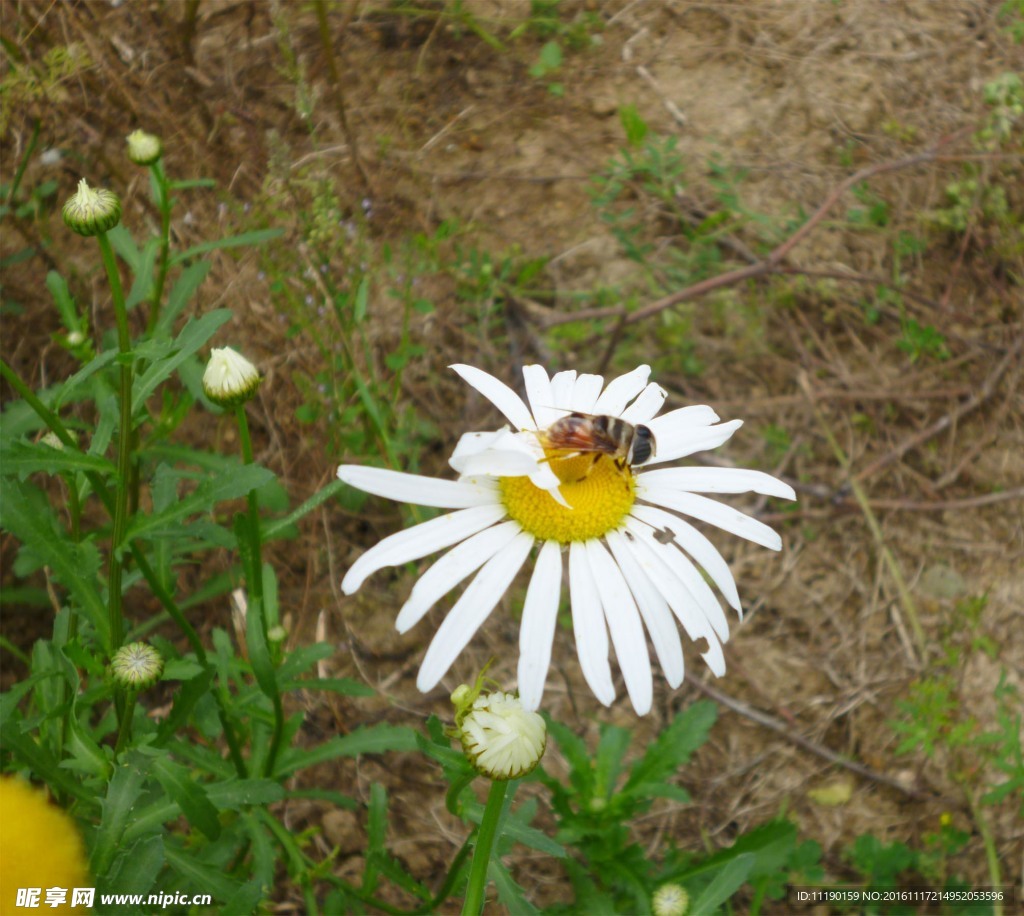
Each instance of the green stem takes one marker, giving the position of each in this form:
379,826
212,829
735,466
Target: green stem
164,204
101,491
124,439
124,731
256,588
445,890
995,874
474,901
44,413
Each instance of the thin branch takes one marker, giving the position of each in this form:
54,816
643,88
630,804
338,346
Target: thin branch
944,422
770,264
786,730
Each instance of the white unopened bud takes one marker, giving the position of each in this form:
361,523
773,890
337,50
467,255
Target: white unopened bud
501,739
76,339
230,379
143,148
670,900
90,211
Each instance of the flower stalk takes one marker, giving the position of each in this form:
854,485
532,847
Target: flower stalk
474,902
161,190
124,439
256,596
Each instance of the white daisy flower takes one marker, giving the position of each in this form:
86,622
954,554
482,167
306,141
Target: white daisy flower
632,557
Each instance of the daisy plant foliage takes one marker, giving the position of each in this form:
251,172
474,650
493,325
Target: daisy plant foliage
634,561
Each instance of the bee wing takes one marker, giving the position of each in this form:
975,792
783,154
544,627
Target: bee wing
577,441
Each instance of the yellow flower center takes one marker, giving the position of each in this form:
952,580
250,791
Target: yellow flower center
599,492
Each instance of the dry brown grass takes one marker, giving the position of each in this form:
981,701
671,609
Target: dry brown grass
449,128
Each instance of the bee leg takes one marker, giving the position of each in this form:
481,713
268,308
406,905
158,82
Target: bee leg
593,461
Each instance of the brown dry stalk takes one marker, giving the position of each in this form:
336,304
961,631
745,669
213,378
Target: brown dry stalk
762,268
906,599
986,391
786,730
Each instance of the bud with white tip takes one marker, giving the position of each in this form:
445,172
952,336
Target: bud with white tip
90,211
501,739
143,148
230,379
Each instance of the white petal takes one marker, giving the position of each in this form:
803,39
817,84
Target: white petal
655,612
676,441
499,394
589,627
416,489
647,553
474,443
420,540
585,393
537,630
696,544
496,463
684,570
562,385
543,478
472,609
645,407
538,392
719,480
718,514
621,391
624,624
694,415
451,569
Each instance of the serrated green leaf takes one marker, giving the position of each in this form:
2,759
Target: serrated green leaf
209,879
26,513
136,867
23,458
724,885
193,336
376,827
185,699
257,237
247,898
189,795
770,844
674,746
122,242
190,280
344,686
117,809
39,759
368,739
142,288
611,751
229,485
72,388
58,288
86,755
509,893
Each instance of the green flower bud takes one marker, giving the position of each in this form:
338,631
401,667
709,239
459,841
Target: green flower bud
136,666
90,212
143,148
230,379
670,900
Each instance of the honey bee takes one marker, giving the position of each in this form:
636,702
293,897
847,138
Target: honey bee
583,433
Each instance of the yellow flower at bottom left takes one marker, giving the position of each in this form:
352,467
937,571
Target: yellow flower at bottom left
40,848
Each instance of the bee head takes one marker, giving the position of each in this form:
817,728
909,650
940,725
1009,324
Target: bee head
642,446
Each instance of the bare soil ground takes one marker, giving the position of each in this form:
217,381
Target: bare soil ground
797,94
